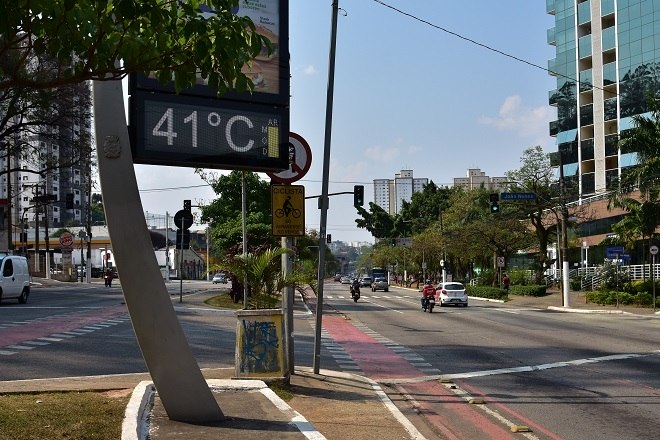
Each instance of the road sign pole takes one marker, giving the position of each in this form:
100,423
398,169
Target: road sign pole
654,252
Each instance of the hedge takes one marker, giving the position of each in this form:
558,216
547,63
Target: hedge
533,290
487,292
611,297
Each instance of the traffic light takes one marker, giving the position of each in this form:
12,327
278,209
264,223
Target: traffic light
494,199
186,205
328,238
358,195
69,201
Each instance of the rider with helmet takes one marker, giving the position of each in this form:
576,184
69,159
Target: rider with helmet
427,292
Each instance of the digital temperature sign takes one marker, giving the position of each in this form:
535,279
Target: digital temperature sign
208,133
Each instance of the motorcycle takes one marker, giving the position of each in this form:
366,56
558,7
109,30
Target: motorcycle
428,302
355,293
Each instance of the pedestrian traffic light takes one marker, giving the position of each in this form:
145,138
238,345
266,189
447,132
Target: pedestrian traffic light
358,195
328,238
69,201
186,205
494,207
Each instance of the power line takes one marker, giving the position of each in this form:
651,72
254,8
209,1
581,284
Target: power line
490,48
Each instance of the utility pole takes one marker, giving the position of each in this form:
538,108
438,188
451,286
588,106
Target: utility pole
564,236
324,191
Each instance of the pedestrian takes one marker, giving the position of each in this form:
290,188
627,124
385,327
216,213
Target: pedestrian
506,282
108,277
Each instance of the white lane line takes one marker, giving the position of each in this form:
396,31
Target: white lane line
515,312
383,307
525,369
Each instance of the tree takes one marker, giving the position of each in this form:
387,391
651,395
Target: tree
376,221
224,214
51,43
536,175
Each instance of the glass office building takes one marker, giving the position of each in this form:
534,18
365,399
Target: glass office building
607,60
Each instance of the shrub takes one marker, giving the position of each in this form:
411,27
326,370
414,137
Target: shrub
575,283
521,277
486,277
486,292
612,297
534,290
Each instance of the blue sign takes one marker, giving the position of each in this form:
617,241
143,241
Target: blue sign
616,253
518,196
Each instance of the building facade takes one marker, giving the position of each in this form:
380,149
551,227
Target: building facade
390,194
475,179
607,54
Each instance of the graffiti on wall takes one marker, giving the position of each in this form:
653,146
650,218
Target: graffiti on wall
260,346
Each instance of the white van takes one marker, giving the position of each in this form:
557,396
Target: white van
14,278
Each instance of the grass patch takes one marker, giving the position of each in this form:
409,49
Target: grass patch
65,415
282,390
223,301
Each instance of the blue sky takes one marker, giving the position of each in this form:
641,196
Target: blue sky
408,95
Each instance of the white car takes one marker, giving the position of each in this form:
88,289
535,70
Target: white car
452,293
219,278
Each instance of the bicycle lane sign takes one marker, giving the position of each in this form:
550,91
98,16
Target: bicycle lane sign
288,210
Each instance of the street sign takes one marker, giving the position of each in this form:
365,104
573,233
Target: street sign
183,219
518,196
614,252
66,239
500,261
300,159
654,250
288,209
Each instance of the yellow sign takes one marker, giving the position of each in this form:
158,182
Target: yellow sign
288,207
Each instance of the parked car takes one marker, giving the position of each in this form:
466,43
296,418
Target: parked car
452,293
219,278
14,278
380,284
365,282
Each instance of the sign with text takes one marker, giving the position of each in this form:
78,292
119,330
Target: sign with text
239,130
518,196
288,209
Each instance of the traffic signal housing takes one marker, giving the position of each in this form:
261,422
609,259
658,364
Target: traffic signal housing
328,238
358,195
494,199
187,206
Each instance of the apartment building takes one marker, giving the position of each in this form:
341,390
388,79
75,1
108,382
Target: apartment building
389,194
475,179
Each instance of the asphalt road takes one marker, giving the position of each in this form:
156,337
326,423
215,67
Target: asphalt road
561,375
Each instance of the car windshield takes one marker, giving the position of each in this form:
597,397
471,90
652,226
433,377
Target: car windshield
454,286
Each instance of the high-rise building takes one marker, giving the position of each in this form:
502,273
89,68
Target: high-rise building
607,59
389,194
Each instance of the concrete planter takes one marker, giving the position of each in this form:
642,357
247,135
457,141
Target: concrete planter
260,343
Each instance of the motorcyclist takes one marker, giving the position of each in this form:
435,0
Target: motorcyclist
355,286
427,292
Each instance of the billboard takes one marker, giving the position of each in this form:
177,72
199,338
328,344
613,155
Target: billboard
195,128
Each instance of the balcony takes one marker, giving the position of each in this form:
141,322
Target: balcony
611,145
584,46
552,40
550,7
609,74
586,149
584,12
586,82
609,39
606,7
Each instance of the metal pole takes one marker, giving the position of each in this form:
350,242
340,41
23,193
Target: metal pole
288,307
653,280
324,191
208,274
244,222
181,267
167,246
564,238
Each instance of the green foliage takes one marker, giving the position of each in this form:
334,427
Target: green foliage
575,283
487,277
486,292
171,39
612,297
520,277
613,276
638,286
533,290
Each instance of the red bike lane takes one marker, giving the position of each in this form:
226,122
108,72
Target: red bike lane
446,411
29,331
